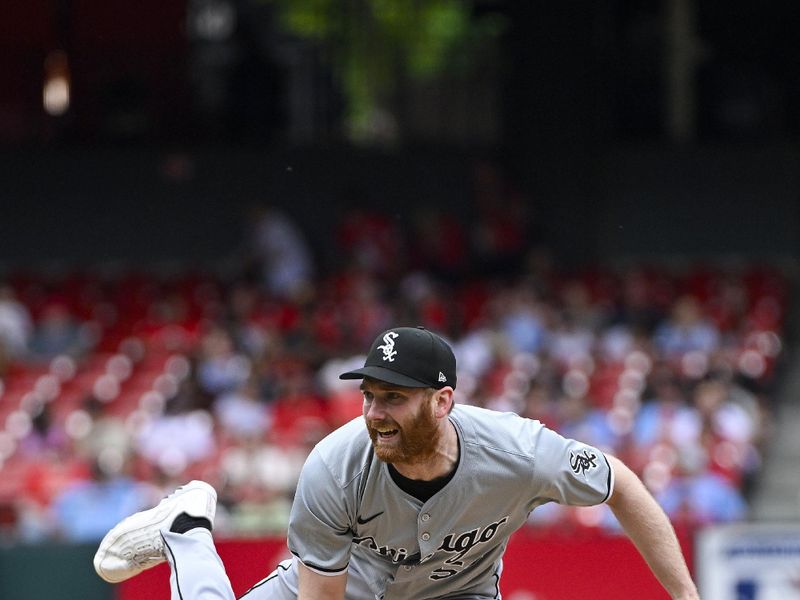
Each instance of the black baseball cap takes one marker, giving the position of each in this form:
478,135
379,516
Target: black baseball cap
409,357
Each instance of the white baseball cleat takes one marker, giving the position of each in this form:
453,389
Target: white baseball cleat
135,543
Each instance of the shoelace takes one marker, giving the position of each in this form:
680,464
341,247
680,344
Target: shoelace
147,553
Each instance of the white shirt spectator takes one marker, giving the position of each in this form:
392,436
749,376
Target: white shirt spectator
174,441
283,251
16,325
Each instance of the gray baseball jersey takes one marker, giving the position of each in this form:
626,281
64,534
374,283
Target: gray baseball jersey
349,513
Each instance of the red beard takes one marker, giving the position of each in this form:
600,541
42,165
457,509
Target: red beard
418,440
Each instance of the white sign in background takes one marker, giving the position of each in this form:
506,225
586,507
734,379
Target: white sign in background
749,561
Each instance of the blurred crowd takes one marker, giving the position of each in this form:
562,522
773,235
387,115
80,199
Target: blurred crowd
118,385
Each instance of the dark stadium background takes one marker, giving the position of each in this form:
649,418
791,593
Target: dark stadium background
573,102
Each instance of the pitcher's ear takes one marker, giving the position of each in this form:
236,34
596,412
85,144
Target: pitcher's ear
443,401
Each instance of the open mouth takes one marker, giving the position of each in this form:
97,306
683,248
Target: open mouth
386,434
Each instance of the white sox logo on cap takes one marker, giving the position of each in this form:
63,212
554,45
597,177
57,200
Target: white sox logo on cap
388,346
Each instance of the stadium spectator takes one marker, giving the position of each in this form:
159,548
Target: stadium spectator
695,496
85,510
46,436
241,413
58,332
106,431
438,244
666,416
686,330
579,420
367,239
180,437
280,252
16,325
220,368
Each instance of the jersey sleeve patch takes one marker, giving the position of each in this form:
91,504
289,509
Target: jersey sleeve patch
570,472
580,462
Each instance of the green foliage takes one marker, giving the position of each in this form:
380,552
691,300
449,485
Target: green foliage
373,44
308,18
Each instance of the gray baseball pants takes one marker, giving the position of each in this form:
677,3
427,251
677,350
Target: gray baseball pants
197,573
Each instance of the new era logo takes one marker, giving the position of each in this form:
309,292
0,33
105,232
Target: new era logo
442,377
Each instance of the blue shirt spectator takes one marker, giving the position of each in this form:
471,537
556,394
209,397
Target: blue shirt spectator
85,511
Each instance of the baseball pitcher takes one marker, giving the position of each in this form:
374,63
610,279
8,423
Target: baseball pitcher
414,500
